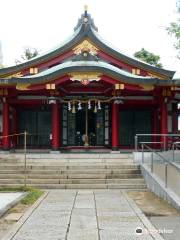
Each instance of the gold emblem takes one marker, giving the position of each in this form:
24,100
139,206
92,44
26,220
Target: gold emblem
22,86
85,78
85,46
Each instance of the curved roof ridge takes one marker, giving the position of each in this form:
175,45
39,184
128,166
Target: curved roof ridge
41,56
129,59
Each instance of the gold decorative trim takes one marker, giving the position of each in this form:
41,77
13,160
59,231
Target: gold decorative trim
3,92
85,46
33,70
85,78
119,86
166,92
136,71
147,87
50,86
16,75
22,86
155,76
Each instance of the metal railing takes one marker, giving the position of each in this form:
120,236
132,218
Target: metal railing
173,149
166,162
164,139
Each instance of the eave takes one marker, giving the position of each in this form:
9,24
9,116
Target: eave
84,66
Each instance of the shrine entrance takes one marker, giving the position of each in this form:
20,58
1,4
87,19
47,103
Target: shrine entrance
85,127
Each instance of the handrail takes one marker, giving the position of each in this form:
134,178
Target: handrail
173,147
25,151
144,144
154,134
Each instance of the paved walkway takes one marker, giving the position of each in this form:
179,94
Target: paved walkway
86,215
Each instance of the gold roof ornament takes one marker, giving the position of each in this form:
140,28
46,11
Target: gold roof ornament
85,7
156,76
22,86
85,46
147,87
16,75
85,78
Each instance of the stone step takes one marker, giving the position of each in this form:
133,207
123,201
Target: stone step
13,175
81,186
72,171
77,173
69,167
72,181
65,162
68,156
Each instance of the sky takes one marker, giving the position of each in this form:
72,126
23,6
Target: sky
128,25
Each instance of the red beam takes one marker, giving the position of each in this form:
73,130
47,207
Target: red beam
43,65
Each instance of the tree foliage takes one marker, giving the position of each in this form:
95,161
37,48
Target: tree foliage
148,57
174,30
28,54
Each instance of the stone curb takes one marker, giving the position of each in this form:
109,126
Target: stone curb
11,204
10,234
150,227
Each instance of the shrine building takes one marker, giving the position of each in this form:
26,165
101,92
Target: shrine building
86,94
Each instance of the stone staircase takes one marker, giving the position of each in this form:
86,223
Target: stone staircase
71,171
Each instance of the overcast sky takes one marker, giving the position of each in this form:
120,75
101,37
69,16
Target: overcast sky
128,24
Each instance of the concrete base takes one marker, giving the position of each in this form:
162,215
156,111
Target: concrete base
4,151
55,151
115,151
156,185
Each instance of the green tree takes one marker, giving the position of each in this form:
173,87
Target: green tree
148,57
174,30
28,54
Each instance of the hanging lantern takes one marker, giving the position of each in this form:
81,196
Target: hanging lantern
99,105
69,106
89,104
79,106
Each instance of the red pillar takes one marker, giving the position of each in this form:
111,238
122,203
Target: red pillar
164,119
115,126
15,127
55,127
6,128
155,126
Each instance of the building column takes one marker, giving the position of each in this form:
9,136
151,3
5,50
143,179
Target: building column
164,120
115,127
6,127
155,126
55,127
15,127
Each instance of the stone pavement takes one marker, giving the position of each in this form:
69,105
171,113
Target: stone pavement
86,215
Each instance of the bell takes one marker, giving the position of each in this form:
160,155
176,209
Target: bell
95,109
73,109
